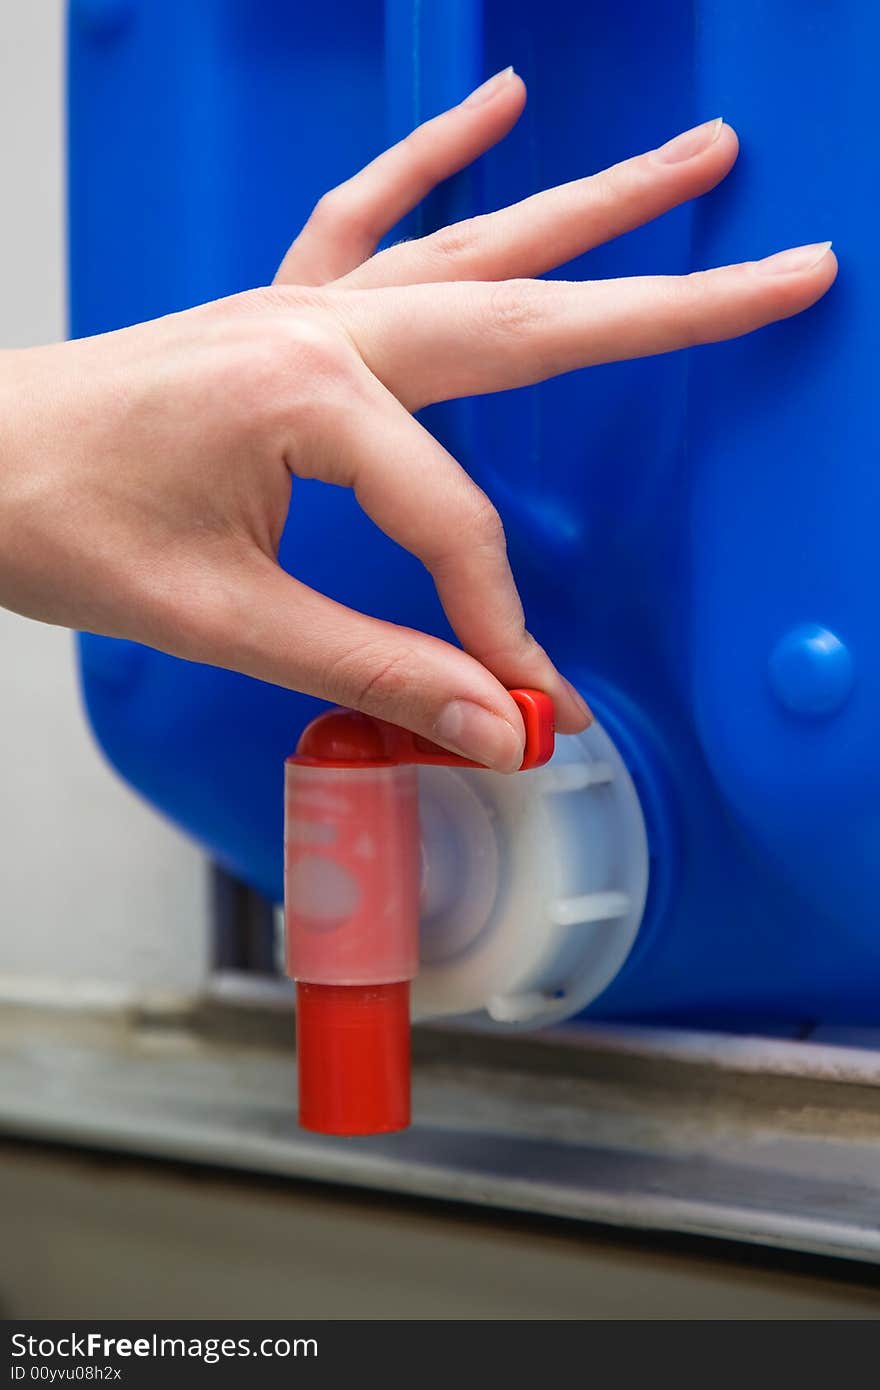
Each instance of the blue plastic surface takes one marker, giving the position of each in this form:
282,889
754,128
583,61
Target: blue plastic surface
696,536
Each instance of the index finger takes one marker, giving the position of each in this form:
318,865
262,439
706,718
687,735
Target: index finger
420,496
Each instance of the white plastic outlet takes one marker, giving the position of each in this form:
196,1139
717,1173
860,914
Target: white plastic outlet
533,886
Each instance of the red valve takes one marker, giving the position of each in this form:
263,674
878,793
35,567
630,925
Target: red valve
352,866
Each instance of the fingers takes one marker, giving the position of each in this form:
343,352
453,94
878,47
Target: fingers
551,228
350,221
283,632
420,497
431,343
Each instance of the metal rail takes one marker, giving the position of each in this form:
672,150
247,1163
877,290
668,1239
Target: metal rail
775,1143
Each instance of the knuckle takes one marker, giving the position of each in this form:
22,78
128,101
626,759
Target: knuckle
374,678
287,360
310,356
292,357
484,523
331,208
457,240
474,525
312,349
689,301
315,375
617,184
514,307
514,644
520,641
616,192
417,151
341,212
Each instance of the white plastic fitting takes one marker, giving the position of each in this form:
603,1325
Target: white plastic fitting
533,886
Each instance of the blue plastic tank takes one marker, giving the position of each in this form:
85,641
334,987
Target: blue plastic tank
695,536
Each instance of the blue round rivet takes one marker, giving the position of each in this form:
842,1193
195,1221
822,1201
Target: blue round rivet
102,18
811,671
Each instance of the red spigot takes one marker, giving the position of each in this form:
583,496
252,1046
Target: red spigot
352,879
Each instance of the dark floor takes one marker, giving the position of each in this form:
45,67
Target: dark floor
87,1236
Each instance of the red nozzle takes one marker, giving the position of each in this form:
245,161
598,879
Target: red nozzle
351,908
352,1043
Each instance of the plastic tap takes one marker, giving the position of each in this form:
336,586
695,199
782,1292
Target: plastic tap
352,881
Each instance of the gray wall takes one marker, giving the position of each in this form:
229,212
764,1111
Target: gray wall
93,886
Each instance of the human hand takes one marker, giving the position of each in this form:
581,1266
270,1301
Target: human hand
146,474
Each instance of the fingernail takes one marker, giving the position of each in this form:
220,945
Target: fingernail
583,708
690,142
488,89
798,258
473,732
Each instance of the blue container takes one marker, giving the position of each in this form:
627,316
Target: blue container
695,537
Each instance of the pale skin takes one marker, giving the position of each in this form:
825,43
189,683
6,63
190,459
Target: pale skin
146,474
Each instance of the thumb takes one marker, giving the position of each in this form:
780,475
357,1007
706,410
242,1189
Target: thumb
288,634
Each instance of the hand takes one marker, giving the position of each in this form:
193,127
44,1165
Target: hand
145,475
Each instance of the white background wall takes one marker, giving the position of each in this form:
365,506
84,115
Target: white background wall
93,885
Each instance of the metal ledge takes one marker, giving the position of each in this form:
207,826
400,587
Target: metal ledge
769,1142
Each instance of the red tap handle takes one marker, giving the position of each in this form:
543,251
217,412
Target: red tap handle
352,848
536,709
344,738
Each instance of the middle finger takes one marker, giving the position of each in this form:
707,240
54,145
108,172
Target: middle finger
551,228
